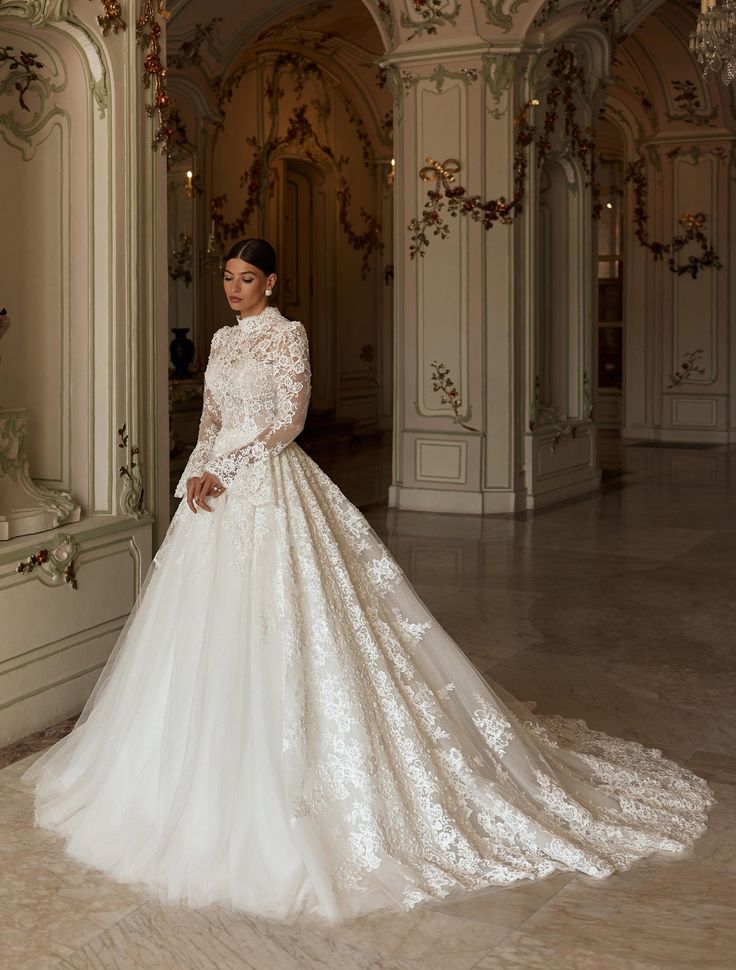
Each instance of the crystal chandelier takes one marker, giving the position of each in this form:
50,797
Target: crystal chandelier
713,42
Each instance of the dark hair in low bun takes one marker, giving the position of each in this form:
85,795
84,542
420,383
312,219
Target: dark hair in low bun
257,252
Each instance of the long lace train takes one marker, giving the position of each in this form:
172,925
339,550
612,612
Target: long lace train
285,728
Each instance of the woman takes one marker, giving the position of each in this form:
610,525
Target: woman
284,727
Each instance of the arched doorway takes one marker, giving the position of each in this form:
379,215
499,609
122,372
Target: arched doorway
307,170
307,243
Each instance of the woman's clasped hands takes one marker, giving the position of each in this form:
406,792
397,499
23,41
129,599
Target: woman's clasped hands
199,488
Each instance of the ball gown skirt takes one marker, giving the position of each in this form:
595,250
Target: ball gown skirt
284,728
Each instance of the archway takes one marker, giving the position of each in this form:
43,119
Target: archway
294,139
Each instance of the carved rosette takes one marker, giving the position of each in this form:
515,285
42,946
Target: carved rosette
25,506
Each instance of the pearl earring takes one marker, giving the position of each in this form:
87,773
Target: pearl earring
269,291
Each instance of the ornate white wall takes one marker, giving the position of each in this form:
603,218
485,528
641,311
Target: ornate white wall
684,131
476,301
81,282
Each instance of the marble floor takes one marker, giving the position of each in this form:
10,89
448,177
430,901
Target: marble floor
619,609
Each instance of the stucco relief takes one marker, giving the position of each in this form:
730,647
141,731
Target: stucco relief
55,14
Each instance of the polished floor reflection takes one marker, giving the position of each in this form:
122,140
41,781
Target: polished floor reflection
619,609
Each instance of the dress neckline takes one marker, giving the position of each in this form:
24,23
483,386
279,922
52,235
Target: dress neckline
249,323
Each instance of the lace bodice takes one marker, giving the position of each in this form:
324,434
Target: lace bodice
257,385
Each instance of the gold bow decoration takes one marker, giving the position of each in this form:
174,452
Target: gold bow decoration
446,171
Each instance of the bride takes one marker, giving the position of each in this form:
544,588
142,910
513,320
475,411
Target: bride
284,728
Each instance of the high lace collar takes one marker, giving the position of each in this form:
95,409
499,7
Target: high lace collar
265,316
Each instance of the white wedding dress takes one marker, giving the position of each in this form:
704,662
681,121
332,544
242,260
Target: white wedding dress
284,728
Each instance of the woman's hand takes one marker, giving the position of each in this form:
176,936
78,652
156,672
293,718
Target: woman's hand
199,488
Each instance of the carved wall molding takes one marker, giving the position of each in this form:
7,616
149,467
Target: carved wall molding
55,561
57,14
28,507
386,16
496,15
428,16
439,75
498,74
132,495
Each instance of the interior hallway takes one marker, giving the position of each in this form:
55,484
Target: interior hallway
619,609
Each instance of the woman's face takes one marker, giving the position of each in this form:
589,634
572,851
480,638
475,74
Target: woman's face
245,287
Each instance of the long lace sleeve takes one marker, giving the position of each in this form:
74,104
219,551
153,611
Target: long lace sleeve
292,376
209,424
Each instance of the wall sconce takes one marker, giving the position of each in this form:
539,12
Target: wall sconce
390,170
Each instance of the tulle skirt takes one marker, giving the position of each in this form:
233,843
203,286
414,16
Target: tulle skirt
284,728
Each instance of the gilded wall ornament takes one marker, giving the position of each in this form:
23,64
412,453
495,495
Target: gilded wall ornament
566,75
147,33
488,212
694,227
112,17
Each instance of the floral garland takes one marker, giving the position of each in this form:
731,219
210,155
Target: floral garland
256,180
686,98
387,17
690,365
566,73
25,66
41,558
602,10
441,381
190,51
292,25
300,68
694,229
432,14
147,33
